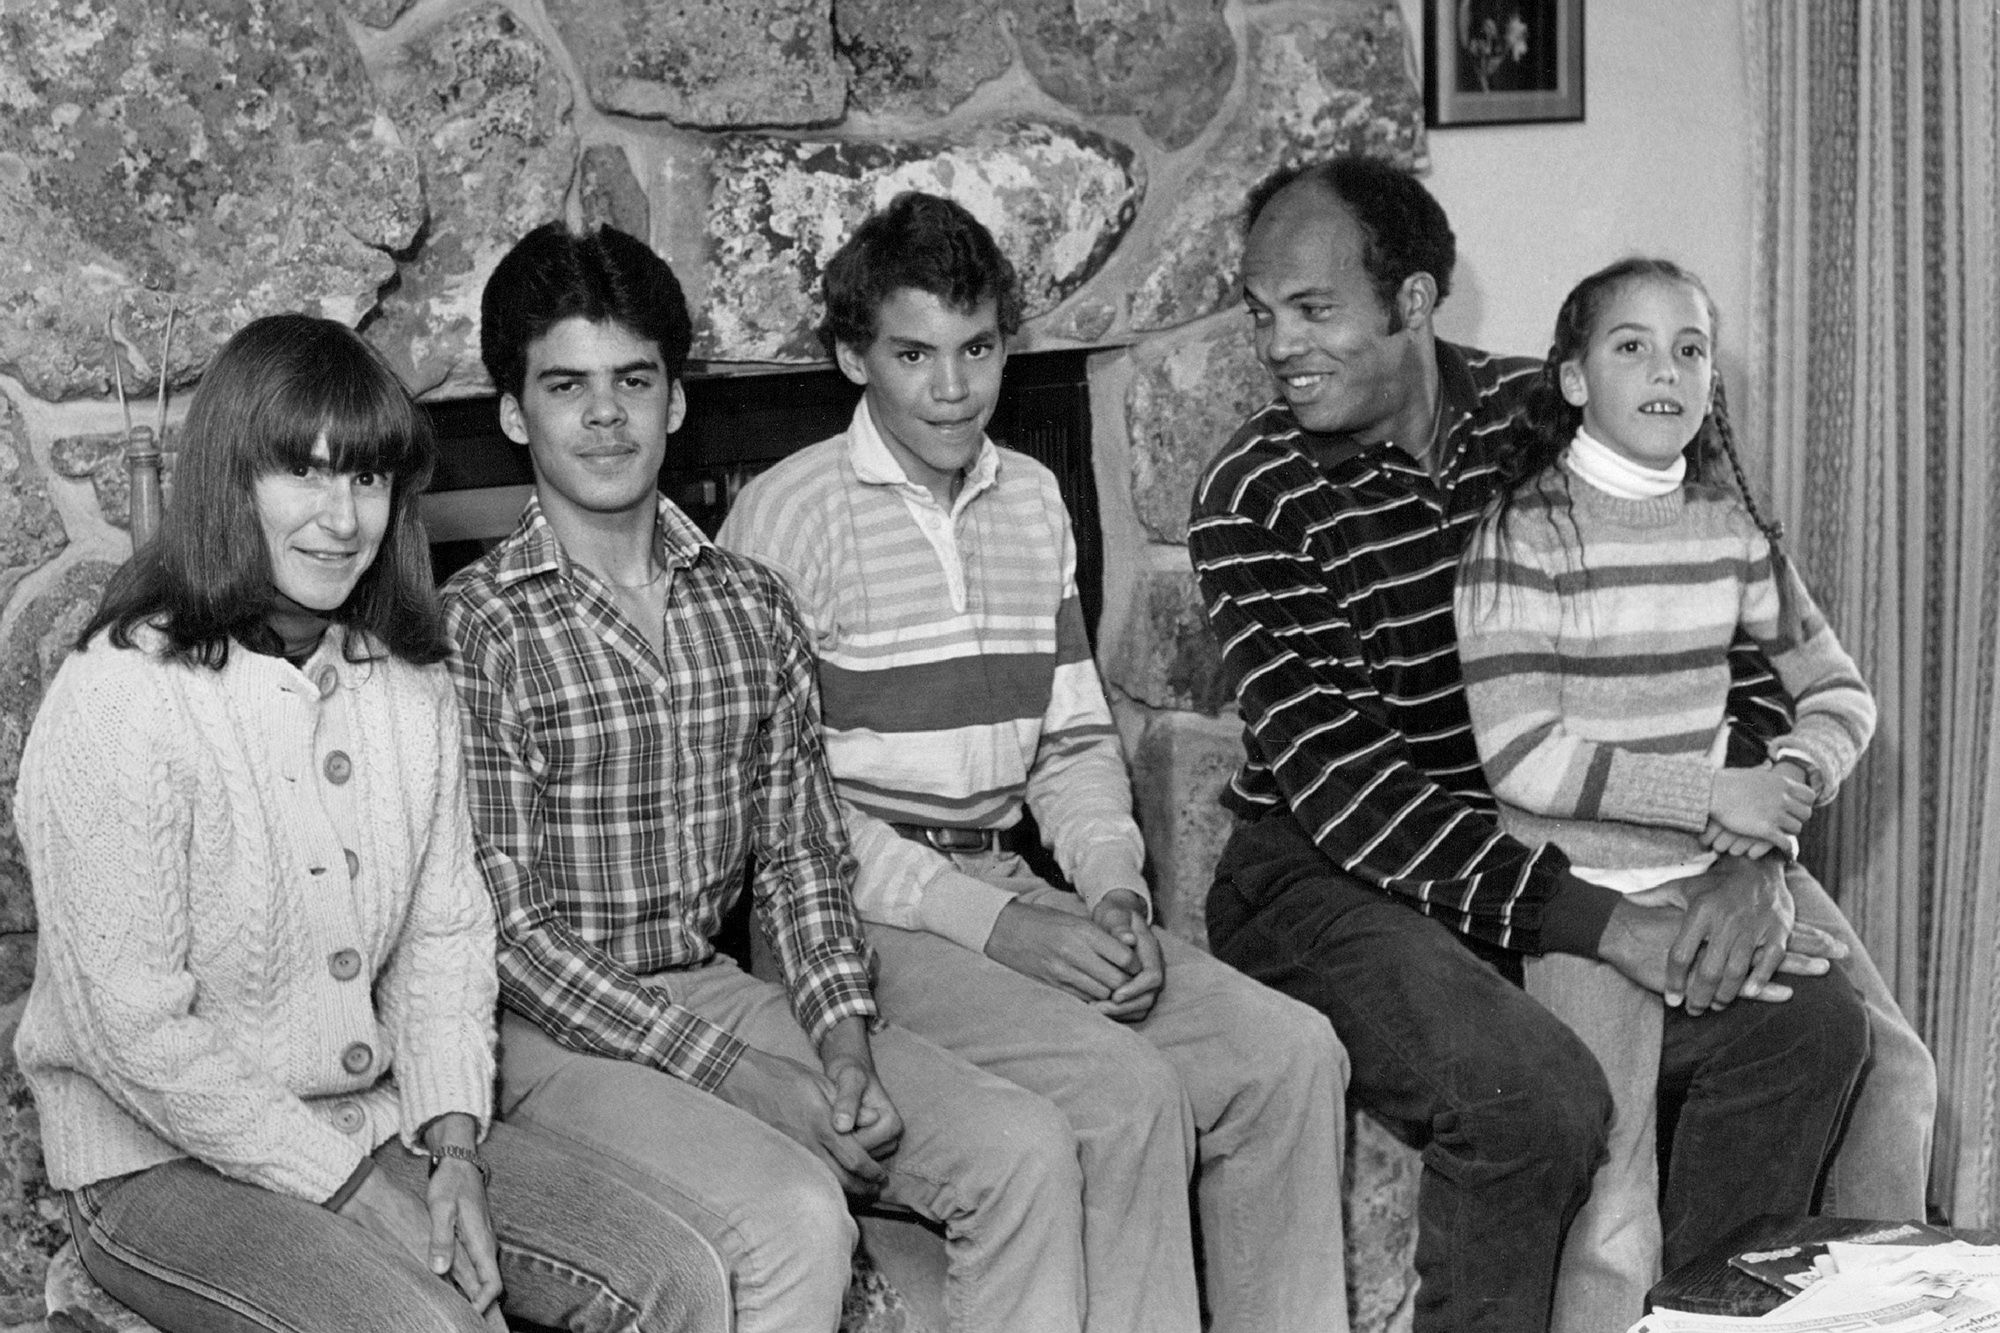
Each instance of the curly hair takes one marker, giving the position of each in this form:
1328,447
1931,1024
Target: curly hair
921,241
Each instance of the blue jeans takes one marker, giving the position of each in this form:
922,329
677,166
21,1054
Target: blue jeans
193,1251
1509,1106
991,1163
1225,1079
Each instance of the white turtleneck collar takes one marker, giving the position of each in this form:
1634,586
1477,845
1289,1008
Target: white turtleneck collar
1615,474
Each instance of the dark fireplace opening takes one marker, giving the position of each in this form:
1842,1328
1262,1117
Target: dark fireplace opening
739,424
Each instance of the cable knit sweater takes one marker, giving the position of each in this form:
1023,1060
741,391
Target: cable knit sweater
264,942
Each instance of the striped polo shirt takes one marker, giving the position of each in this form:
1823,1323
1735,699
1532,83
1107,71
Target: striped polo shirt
956,680
1327,571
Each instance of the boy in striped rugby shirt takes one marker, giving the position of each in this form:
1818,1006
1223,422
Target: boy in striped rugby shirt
937,574
1325,536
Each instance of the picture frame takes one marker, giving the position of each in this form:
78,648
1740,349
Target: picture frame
1498,62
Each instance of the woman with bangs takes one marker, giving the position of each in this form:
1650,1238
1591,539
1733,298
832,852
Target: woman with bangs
260,1036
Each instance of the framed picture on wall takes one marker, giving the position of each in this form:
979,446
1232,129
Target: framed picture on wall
1494,62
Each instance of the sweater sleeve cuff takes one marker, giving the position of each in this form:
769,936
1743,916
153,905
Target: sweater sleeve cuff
1574,918
1110,866
962,909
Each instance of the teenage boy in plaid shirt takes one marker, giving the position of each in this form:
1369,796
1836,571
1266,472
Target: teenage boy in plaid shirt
641,724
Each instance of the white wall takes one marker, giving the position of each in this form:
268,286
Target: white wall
1660,163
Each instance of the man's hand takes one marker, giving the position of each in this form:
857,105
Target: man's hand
799,1102
1122,915
1770,804
1067,951
1736,934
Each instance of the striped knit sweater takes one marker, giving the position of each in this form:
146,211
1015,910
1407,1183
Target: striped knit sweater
264,943
1327,570
1594,634
955,678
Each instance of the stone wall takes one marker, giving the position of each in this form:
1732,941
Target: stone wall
202,162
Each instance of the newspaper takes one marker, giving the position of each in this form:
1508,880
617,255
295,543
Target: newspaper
1951,1288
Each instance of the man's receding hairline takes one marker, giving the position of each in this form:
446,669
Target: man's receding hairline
1298,186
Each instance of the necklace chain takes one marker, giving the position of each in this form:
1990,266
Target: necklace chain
658,574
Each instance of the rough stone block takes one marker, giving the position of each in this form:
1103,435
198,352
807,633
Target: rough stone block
1168,62
1182,406
31,1222
491,115
1325,78
1380,1213
713,64
31,532
40,637
1165,656
1057,199
377,13
226,158
1179,768
919,55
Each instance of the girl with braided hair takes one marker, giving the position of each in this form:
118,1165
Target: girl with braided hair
1596,606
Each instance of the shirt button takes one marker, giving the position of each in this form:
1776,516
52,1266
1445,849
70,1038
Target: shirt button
353,862
345,964
338,767
327,679
356,1058
347,1118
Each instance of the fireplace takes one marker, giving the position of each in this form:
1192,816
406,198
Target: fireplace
740,423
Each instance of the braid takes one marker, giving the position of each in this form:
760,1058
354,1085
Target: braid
1724,435
1718,436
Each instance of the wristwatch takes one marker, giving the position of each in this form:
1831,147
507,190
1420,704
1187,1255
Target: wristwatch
437,1156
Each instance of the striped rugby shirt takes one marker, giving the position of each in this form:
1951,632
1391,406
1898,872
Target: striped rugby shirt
1594,636
956,677
1329,586
615,798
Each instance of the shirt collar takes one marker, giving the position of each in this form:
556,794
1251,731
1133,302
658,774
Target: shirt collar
534,548
874,465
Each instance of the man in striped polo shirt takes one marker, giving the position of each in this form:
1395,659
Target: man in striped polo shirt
936,572
1325,536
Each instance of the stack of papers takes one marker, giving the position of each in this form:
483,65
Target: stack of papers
1881,1288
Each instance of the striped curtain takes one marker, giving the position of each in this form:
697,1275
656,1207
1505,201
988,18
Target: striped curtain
1875,365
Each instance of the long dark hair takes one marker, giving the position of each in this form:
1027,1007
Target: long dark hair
1526,459
270,394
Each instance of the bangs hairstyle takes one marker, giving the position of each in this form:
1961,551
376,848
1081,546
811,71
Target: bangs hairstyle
920,241
276,387
604,276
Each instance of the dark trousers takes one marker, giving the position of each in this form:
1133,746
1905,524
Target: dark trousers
1508,1106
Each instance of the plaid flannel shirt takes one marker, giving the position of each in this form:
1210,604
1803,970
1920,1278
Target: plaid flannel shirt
615,798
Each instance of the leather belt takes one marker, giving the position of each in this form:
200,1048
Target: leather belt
952,839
